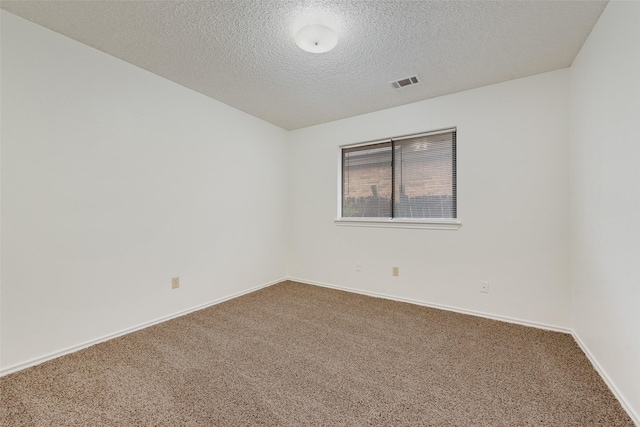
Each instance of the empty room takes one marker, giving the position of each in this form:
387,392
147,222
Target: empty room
354,212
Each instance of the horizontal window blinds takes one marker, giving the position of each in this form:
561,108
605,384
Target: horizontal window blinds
411,177
425,177
366,181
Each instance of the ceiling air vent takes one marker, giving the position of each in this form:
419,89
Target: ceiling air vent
407,81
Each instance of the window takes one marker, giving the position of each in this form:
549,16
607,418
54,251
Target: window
407,179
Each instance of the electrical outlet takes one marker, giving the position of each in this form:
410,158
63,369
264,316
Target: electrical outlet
396,271
484,286
175,282
358,266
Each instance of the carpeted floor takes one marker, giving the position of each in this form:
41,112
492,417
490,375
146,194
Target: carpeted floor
295,354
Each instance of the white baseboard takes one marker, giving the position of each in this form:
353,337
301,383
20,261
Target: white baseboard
441,307
38,360
625,405
603,374
623,402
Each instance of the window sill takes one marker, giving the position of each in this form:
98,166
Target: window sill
432,224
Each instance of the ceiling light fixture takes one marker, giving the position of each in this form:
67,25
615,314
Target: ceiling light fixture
316,38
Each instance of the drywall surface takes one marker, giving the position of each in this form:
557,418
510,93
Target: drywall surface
114,180
243,52
605,201
513,185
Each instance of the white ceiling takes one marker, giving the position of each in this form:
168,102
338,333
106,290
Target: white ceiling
243,52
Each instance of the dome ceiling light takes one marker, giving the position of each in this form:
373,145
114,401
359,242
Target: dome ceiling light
316,38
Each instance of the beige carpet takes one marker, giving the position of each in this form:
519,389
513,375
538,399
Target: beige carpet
295,354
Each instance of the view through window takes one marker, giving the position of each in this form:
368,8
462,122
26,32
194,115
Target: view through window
409,177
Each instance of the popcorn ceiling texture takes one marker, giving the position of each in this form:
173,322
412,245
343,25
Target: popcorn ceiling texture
295,354
243,54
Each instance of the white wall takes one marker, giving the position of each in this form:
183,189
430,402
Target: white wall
605,201
513,187
113,181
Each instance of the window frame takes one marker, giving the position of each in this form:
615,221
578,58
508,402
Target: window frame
423,223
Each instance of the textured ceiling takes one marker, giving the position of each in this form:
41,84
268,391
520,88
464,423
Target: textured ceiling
243,52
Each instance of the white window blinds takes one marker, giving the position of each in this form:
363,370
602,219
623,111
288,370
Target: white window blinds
409,177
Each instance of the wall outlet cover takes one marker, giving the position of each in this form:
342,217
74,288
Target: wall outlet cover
484,286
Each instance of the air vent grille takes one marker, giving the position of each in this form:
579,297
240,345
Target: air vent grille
407,81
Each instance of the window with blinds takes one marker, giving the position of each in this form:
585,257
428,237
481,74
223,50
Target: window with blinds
411,177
